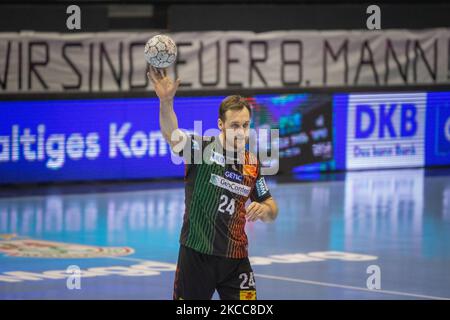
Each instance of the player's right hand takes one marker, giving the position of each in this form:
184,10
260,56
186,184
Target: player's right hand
164,87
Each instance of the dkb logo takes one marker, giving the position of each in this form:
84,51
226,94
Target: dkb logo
385,130
386,120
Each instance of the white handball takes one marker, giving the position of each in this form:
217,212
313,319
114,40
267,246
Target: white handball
160,51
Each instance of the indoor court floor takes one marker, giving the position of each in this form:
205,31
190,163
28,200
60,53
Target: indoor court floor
330,236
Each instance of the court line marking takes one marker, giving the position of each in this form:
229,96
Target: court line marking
318,283
327,284
134,259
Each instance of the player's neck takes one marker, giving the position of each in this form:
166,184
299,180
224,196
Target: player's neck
229,149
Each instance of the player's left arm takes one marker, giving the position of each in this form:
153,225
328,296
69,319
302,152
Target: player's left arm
266,210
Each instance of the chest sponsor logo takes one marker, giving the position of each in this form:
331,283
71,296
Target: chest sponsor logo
231,186
233,176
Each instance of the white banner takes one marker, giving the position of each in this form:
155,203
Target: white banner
114,61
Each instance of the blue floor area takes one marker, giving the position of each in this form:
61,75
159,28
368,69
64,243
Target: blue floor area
329,232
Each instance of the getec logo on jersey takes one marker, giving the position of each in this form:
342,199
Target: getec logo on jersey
233,176
231,186
385,130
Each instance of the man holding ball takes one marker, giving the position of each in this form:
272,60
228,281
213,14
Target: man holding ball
213,244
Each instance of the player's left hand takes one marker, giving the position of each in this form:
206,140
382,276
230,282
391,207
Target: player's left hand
257,211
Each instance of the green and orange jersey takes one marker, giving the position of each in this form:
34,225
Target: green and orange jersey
217,188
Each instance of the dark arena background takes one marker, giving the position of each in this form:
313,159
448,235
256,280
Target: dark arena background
92,197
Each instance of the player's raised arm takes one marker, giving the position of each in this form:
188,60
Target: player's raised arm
165,89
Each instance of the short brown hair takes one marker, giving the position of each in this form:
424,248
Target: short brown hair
234,102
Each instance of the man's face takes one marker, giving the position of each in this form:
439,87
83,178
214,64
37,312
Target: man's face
236,128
